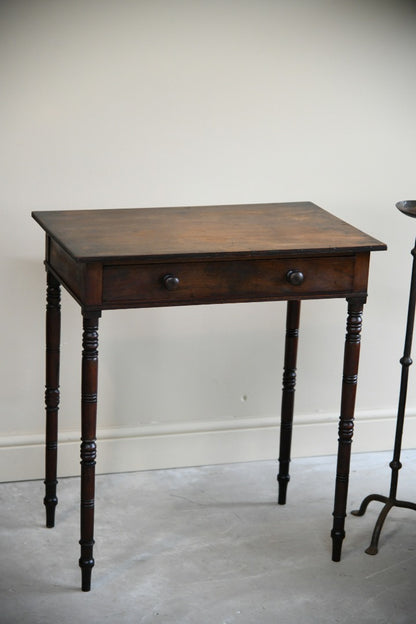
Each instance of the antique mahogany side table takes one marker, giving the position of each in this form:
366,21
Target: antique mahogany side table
134,258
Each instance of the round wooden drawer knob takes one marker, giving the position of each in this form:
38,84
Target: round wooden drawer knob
295,277
171,282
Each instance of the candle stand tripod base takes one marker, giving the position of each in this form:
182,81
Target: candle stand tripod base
408,208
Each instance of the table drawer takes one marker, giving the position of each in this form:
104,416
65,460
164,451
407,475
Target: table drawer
177,283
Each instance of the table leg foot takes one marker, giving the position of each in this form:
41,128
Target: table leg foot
86,564
86,579
283,483
337,539
50,501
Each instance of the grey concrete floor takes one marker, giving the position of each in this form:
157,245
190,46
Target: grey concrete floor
209,545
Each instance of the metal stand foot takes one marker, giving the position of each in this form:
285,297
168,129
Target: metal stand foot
389,503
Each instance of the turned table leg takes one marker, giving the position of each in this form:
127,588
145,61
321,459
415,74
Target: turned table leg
346,422
53,338
88,444
288,396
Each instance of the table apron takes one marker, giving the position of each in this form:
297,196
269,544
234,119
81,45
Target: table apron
101,286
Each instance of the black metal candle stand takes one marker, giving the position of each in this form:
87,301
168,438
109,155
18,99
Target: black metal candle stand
390,501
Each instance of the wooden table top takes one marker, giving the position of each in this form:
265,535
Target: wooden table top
253,230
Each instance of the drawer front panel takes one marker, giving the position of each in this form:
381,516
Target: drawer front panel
220,281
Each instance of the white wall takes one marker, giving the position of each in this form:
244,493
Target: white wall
183,102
